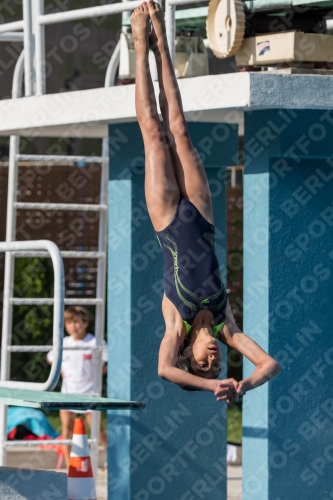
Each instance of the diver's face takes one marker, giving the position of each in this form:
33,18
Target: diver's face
206,358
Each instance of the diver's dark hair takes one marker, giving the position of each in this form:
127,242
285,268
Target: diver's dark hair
185,365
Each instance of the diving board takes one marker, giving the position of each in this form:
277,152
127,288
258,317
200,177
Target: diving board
58,401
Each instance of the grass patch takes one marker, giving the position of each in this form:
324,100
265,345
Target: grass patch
235,424
54,419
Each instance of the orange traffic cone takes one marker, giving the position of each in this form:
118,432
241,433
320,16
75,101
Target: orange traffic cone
80,476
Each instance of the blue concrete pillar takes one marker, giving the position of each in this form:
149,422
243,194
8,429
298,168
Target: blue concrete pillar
176,448
288,252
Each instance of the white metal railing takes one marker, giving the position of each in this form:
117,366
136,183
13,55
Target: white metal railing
34,22
8,33
33,36
58,316
14,26
99,255
41,20
170,23
33,26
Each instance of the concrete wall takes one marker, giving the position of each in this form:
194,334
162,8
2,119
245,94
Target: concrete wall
288,234
28,484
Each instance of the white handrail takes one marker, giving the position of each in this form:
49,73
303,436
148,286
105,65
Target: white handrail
28,49
41,20
170,15
14,26
58,311
39,47
34,21
88,12
11,37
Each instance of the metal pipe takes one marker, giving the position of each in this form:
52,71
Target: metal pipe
58,315
28,48
62,206
15,26
41,442
7,316
111,70
34,26
267,6
170,22
81,254
58,158
39,48
47,348
100,292
50,302
180,2
17,91
89,12
11,37
125,15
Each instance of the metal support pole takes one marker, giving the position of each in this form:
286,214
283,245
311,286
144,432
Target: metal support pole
14,143
28,48
39,48
88,12
6,335
111,70
170,21
9,27
7,314
100,293
11,37
125,15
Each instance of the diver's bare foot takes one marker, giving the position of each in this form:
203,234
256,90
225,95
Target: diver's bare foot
158,35
140,25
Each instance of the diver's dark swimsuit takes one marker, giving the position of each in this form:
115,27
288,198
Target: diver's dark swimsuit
192,279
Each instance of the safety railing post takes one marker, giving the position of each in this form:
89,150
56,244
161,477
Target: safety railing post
28,48
170,14
100,293
7,315
39,47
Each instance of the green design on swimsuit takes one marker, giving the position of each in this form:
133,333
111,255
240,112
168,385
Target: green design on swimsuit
189,241
179,284
216,328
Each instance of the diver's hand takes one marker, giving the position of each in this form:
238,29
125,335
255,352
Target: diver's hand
225,389
240,391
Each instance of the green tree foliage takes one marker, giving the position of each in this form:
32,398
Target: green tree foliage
32,324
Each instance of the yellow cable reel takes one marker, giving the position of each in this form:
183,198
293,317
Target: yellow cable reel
225,26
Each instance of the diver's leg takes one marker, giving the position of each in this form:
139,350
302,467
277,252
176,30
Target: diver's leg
189,171
161,188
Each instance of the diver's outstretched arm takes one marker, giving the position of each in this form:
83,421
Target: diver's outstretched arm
265,366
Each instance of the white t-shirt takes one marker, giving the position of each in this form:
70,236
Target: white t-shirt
77,366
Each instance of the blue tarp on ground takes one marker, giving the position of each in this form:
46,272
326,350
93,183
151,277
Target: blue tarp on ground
32,419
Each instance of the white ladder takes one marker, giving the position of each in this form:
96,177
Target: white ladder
99,255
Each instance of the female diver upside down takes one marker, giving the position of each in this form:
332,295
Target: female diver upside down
195,307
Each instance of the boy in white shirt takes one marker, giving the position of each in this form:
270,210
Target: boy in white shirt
77,369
